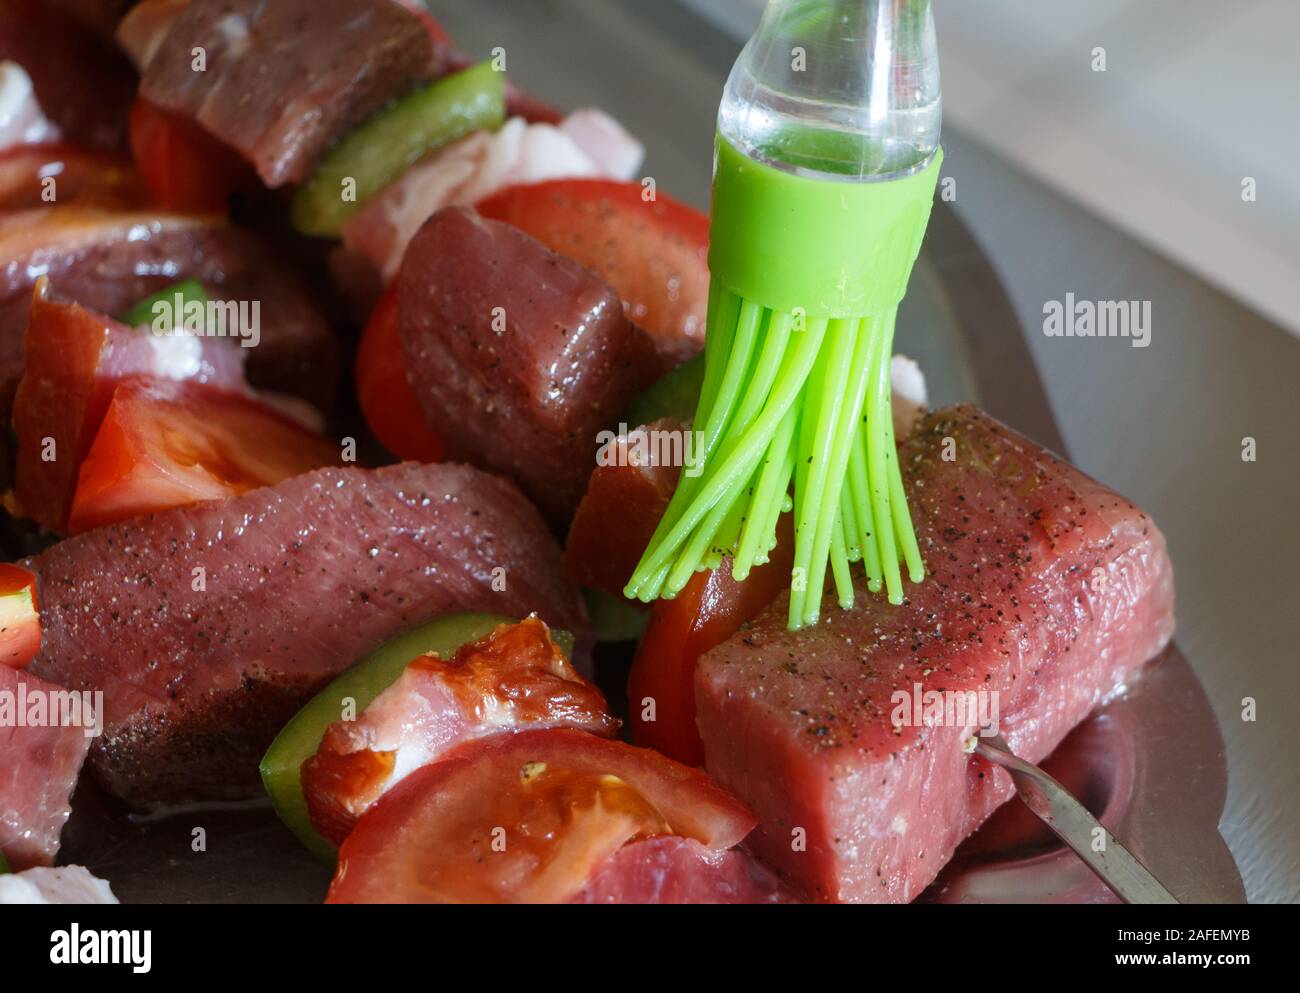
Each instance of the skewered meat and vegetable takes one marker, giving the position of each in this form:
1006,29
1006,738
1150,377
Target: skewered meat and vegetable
108,261
514,678
207,627
283,81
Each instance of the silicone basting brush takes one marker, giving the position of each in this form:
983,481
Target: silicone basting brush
827,159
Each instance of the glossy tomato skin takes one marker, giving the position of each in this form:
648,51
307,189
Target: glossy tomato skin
166,444
20,619
185,168
653,252
62,396
430,839
386,397
708,611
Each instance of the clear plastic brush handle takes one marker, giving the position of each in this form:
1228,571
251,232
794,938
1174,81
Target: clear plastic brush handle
838,89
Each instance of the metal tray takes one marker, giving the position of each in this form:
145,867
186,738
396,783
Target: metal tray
660,70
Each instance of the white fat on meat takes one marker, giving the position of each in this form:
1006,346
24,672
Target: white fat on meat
615,152
176,356
21,120
587,144
70,884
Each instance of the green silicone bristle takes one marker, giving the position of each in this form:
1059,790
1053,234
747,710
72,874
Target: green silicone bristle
796,388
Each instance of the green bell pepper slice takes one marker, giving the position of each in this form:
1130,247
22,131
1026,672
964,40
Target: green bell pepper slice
377,152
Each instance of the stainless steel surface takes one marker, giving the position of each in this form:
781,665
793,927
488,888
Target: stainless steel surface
1070,821
660,70
1131,765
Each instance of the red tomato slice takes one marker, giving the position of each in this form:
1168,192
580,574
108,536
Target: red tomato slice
59,403
83,174
386,397
525,817
710,609
20,620
655,254
167,444
185,168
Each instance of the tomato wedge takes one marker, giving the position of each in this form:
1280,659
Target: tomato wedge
185,168
45,175
75,359
59,403
20,620
166,444
527,818
386,398
708,611
653,252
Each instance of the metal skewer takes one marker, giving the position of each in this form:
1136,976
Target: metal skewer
1115,865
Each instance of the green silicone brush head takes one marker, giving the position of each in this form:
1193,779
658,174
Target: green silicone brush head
822,193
